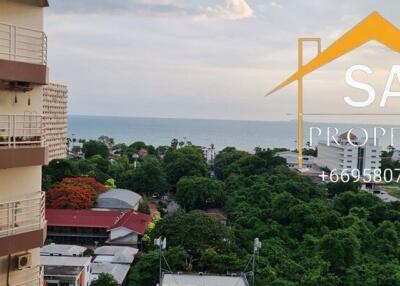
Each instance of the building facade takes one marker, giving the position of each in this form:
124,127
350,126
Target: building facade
23,73
55,100
347,157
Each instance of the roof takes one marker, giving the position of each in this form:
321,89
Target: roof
374,27
216,214
132,220
62,249
344,135
135,221
202,280
62,270
119,271
82,218
64,260
115,254
291,157
118,199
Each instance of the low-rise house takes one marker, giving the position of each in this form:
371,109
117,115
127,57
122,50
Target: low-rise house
292,159
66,270
115,254
118,271
53,249
94,227
119,199
217,214
203,280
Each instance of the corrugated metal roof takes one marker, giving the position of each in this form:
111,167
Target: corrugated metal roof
118,198
202,280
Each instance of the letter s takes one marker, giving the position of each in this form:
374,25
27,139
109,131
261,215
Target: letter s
369,89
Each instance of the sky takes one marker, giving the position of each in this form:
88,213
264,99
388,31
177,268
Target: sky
211,59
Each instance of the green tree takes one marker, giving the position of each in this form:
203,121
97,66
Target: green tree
58,169
104,279
199,193
186,161
148,178
341,249
194,231
93,147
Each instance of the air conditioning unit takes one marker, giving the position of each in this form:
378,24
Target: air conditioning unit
23,261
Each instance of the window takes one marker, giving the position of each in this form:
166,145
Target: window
349,161
373,162
349,156
348,167
350,150
373,151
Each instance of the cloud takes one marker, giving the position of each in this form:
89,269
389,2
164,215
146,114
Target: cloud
231,10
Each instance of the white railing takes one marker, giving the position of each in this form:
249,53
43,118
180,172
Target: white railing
23,44
21,130
23,215
30,277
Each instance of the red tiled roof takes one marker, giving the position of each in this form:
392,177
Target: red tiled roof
132,220
135,221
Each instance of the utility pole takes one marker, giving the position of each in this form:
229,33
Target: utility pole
162,244
256,250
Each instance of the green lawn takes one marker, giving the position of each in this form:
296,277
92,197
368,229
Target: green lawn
393,189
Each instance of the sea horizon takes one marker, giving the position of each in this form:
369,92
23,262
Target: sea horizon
242,134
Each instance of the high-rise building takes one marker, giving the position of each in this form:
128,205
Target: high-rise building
342,156
55,99
23,73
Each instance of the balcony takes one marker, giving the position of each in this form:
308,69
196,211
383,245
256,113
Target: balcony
22,141
23,54
22,223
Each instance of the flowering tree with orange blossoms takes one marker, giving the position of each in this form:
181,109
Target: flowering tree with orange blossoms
68,197
89,184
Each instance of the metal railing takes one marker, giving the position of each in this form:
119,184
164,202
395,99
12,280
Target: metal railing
23,44
23,215
21,130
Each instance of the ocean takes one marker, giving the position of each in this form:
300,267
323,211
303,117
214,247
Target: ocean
244,135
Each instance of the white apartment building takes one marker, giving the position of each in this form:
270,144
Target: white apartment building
23,151
346,156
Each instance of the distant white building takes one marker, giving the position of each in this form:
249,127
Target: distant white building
292,161
119,199
349,156
202,280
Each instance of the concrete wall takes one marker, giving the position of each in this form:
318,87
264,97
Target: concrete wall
17,277
8,105
17,182
21,13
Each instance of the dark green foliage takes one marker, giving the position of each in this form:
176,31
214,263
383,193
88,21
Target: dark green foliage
93,147
104,279
199,193
148,178
186,161
56,170
195,232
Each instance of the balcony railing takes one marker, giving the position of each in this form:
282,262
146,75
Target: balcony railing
22,44
23,215
21,131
